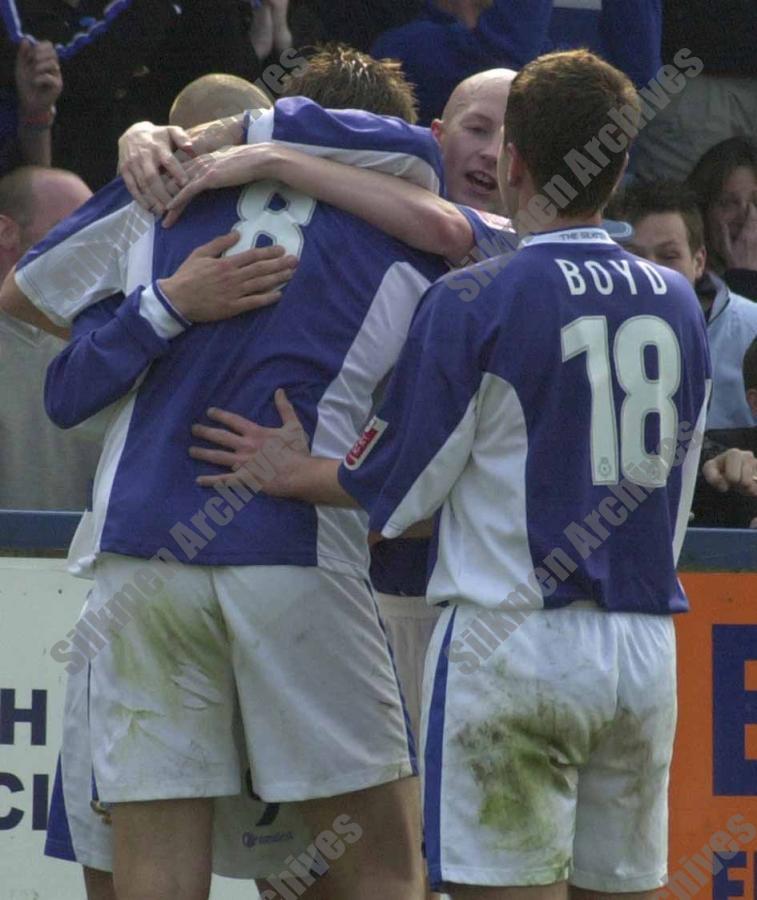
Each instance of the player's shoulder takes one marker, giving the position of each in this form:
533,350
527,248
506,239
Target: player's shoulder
309,115
491,280
490,219
107,210
492,234
111,198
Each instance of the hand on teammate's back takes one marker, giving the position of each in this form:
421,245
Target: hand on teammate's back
208,287
272,456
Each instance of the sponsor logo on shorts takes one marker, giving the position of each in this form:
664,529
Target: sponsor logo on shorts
250,839
365,443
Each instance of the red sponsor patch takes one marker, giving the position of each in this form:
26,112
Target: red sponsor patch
365,443
495,221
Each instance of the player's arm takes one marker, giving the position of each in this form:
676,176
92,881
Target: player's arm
70,397
147,153
275,460
115,341
412,453
353,137
407,212
84,259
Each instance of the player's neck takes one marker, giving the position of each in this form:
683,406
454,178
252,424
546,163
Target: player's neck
561,223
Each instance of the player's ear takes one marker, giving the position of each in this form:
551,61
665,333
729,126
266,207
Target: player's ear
10,234
514,165
437,129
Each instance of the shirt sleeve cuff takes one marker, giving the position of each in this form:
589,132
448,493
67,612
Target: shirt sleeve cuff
258,126
166,320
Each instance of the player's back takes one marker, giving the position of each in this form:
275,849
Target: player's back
335,333
593,366
333,336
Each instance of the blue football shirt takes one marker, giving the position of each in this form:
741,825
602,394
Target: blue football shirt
552,416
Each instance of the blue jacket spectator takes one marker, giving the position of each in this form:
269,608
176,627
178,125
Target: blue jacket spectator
628,35
445,44
731,328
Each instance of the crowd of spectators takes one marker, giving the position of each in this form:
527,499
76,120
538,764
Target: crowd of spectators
74,74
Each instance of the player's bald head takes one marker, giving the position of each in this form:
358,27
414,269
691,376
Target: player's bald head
493,83
470,137
215,97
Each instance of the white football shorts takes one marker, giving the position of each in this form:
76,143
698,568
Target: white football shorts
251,839
547,748
299,653
409,623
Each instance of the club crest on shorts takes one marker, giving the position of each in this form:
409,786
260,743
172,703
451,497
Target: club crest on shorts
365,443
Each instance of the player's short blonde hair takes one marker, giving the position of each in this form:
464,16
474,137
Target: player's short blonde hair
215,97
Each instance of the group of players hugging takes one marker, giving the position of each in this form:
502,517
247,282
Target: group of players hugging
268,319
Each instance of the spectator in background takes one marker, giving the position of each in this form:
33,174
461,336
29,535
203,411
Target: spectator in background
125,62
628,35
725,182
210,36
726,495
453,39
27,109
720,103
354,22
41,467
102,51
668,230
